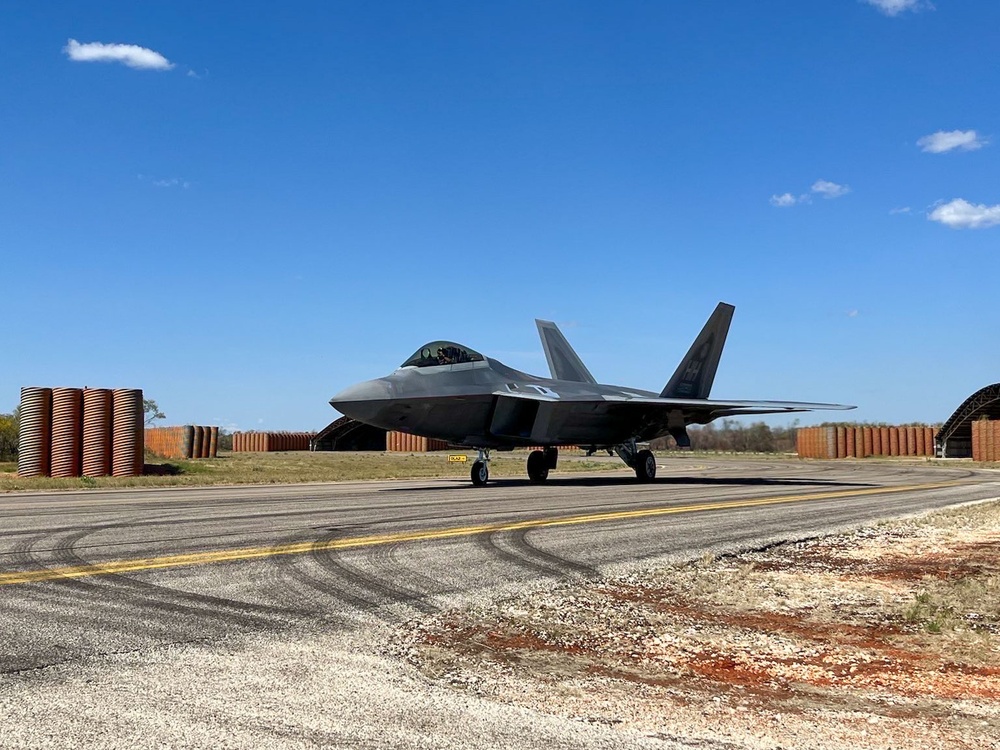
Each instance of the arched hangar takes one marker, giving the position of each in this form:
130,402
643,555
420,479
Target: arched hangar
954,439
346,434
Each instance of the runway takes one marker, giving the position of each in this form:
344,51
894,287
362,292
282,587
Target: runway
184,594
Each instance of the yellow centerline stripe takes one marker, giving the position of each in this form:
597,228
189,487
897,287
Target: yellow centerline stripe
250,553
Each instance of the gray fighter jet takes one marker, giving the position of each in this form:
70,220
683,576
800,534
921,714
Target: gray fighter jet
451,392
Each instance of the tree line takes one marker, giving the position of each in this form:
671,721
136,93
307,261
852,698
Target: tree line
8,436
730,436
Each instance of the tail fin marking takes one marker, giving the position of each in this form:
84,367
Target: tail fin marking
696,372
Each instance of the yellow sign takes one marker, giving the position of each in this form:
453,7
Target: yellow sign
458,459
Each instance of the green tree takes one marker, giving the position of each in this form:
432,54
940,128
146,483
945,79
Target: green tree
760,438
151,411
8,437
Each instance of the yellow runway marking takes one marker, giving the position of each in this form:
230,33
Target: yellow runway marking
251,553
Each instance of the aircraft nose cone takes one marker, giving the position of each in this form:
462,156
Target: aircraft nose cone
363,400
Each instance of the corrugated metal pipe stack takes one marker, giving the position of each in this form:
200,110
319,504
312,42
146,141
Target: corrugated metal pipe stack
862,442
189,441
986,440
72,432
268,442
402,442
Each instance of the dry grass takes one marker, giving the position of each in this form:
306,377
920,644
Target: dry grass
294,467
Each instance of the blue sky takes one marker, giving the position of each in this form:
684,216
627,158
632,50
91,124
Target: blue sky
243,208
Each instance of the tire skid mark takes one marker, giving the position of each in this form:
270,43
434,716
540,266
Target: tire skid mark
136,593
385,593
571,568
494,545
292,566
21,556
388,558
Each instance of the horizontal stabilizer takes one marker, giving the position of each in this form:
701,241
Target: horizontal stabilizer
696,372
564,364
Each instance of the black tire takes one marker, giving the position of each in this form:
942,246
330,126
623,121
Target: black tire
645,466
538,466
480,473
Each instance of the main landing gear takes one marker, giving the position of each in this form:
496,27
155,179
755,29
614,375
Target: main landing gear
643,462
540,463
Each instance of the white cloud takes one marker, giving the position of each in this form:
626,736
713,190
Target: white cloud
172,182
942,142
821,187
960,214
853,313
895,7
131,55
830,189
897,211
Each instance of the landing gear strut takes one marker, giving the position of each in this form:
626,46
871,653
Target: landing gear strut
540,462
481,468
643,462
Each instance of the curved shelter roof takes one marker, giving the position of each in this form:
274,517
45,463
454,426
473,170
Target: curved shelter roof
347,434
954,439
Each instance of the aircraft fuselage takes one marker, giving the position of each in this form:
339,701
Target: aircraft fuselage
486,404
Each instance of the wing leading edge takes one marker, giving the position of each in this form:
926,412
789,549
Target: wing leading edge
732,407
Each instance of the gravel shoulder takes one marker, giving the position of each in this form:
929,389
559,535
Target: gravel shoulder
885,637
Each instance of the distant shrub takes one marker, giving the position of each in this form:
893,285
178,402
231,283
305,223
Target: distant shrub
8,437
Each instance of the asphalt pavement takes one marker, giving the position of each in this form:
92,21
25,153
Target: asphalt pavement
257,616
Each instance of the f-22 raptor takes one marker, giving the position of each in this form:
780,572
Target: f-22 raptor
453,393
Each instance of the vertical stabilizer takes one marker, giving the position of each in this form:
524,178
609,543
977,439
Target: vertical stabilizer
696,372
564,364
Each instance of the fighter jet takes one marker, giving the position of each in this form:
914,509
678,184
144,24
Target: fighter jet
454,393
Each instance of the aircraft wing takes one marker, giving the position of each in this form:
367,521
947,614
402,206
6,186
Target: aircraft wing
671,404
729,407
609,419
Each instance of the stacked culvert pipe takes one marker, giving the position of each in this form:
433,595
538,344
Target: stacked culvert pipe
67,432
126,433
188,441
199,440
259,442
71,432
96,432
34,436
181,442
861,442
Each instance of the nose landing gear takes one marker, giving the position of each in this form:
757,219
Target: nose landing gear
481,468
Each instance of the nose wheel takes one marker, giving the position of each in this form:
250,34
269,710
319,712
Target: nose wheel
481,469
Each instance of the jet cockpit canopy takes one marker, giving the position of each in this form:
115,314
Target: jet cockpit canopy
442,353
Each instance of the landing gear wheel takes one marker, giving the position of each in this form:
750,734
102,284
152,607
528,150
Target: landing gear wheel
538,466
645,466
480,473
